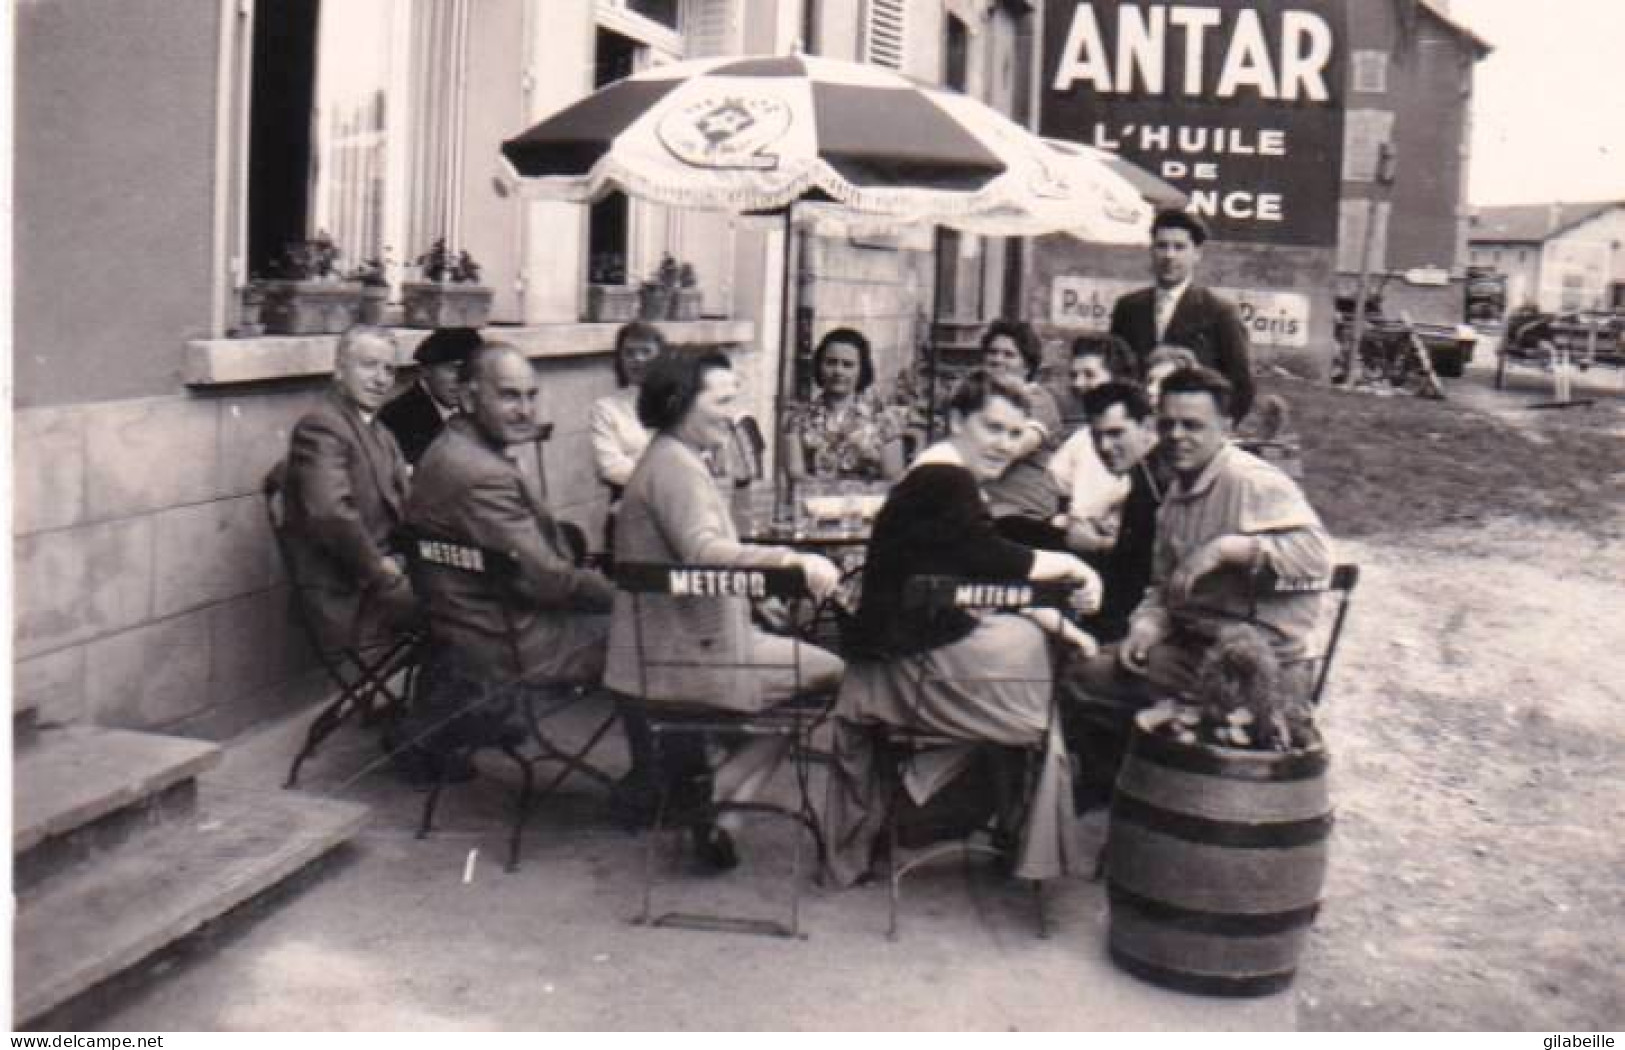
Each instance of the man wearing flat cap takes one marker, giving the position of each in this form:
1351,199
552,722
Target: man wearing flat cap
1179,312
419,414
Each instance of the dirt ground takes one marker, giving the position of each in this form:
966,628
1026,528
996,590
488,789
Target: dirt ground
1478,735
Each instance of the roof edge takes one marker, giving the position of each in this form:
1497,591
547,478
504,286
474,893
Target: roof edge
1484,47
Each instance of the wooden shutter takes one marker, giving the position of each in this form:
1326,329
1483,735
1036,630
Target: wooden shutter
885,33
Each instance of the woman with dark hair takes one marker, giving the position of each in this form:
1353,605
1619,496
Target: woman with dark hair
845,431
694,650
1025,499
1012,349
618,438
978,678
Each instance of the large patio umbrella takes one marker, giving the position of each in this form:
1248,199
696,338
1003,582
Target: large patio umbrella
753,135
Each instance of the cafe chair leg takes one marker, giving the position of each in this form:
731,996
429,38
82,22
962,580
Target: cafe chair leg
522,804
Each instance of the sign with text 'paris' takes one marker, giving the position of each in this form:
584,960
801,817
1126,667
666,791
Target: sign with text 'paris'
1237,102
1272,317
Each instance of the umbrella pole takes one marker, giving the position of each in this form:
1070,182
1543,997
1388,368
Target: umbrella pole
783,501
931,343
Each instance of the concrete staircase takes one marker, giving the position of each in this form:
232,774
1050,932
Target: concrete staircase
119,851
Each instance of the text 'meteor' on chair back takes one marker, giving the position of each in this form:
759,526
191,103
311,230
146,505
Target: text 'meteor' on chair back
982,595
710,581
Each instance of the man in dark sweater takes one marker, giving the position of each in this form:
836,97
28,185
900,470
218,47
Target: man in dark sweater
1124,429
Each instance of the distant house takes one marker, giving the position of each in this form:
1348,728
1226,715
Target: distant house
1559,256
1410,85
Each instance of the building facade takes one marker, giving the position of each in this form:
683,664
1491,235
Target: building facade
1557,257
167,150
1410,85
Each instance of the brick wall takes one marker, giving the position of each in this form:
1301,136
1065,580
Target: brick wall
148,589
881,292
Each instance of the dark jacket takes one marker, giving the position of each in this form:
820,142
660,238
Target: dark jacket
1203,323
468,492
345,491
414,420
1125,571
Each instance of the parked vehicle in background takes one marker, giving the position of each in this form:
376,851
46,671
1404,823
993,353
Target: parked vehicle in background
1385,350
1536,338
1486,297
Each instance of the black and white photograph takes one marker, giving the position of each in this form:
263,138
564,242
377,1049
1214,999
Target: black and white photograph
726,516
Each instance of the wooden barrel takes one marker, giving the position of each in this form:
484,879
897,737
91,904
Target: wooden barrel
1215,863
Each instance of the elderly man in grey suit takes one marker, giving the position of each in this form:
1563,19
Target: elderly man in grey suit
345,491
469,489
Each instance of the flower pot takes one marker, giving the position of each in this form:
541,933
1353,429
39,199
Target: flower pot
612,302
685,304
430,304
654,302
374,298
1215,862
310,307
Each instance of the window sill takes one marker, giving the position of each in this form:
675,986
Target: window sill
219,362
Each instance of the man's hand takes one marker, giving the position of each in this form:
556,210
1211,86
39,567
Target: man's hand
1079,639
822,575
1135,651
1207,558
1089,534
1089,590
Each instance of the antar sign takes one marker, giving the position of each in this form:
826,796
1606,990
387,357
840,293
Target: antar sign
1237,102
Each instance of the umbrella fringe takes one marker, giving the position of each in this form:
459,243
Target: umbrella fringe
881,202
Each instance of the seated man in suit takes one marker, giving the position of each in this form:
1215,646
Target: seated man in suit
419,414
469,490
1180,312
344,495
546,622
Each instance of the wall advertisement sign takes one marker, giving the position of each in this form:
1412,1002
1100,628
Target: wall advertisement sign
1272,318
1237,102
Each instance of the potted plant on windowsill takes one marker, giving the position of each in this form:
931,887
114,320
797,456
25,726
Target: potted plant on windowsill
303,292
657,293
609,297
450,295
687,300
372,276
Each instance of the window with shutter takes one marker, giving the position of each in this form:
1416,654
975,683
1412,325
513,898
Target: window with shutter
885,33
1371,72
711,28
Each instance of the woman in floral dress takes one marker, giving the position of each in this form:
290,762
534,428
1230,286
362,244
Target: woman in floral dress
845,433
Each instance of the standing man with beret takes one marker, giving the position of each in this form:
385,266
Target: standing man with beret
1177,311
418,415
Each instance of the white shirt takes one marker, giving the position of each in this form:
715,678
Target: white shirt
1166,301
1094,490
445,413
618,438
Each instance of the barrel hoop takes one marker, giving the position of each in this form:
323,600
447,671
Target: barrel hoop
1220,798
1229,834
1190,920
1246,765
1200,983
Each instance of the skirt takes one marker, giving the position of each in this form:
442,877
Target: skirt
992,686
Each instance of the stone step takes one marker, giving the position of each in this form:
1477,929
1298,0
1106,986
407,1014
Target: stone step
70,777
98,920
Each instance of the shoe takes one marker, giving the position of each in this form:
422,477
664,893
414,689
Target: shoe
716,847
